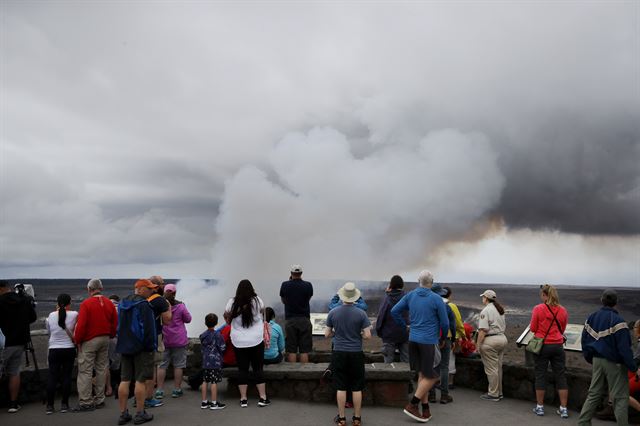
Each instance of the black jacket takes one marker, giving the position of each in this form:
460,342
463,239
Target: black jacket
16,314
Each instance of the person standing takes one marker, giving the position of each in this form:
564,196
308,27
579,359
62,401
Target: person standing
175,343
606,343
394,336
492,343
428,325
295,295
460,334
549,321
212,345
445,351
273,354
348,325
17,313
162,313
137,341
60,325
247,335
97,323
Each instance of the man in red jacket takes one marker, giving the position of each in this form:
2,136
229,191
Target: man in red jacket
97,323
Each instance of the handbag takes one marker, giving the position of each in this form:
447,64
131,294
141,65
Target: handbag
536,343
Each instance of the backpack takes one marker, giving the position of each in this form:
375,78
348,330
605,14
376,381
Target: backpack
132,319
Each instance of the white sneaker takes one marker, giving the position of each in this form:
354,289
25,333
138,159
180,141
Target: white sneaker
563,412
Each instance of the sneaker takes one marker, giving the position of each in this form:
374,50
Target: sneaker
432,397
501,396
159,394
14,407
83,408
356,421
142,418
64,408
426,414
49,409
264,402
124,418
563,412
177,393
341,421
205,404
152,403
488,397
538,410
327,376
445,398
244,403
217,405
414,412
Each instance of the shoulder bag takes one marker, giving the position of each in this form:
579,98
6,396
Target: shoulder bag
536,343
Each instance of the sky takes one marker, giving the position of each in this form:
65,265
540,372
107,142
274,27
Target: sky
489,142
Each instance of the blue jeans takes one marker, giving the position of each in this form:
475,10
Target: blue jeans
389,351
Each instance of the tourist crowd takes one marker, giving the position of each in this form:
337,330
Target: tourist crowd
125,346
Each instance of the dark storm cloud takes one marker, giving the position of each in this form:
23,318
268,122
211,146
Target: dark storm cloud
130,129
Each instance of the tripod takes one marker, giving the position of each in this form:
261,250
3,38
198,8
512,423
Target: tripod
29,349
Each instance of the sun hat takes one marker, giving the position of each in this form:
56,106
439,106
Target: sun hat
349,293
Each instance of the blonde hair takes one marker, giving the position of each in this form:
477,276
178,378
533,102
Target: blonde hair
552,294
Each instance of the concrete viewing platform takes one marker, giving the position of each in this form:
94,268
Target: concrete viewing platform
467,409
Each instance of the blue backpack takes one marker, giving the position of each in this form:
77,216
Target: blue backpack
133,317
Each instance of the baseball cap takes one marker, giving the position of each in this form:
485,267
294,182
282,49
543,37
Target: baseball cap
489,294
296,269
171,288
145,283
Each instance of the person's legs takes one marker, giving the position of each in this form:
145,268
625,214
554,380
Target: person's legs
14,386
140,393
291,339
404,351
558,362
256,354
357,403
214,392
123,395
619,391
388,352
305,339
304,358
243,360
100,365
55,367
540,373
490,360
501,346
162,374
66,373
597,391
341,399
177,378
633,403
86,362
444,369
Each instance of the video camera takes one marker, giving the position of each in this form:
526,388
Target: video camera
26,290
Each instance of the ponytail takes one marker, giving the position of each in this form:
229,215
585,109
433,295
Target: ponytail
63,300
498,306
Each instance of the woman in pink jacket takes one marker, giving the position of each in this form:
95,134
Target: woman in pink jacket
175,342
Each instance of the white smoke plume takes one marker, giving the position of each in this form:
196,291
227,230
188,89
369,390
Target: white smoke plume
341,216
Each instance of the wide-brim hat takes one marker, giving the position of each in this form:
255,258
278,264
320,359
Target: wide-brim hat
349,293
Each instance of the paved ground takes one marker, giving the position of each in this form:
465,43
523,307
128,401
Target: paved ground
467,409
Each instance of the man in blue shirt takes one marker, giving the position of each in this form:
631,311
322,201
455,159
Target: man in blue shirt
348,325
428,326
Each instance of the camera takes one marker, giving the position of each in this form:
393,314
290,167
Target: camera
26,290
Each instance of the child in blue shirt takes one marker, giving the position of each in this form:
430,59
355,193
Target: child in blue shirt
212,349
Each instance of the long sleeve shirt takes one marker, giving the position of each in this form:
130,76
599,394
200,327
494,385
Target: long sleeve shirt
427,315
97,317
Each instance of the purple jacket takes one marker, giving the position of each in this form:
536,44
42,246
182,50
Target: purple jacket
175,333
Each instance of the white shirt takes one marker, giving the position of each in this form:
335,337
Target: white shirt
247,337
58,338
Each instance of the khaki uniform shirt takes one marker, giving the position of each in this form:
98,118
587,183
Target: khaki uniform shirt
491,320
